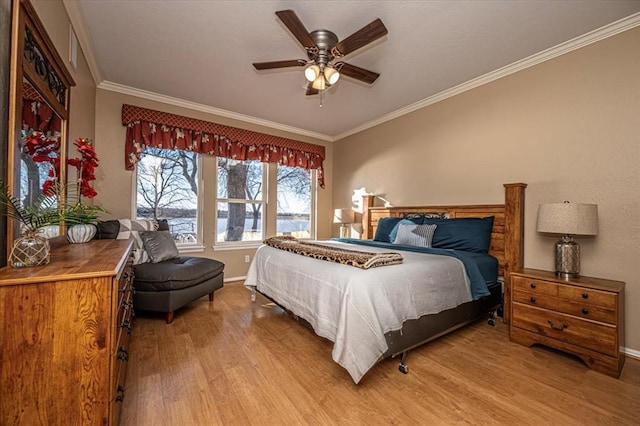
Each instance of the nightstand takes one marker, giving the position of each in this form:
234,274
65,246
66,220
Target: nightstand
583,316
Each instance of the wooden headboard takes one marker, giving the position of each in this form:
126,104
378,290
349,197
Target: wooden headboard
507,235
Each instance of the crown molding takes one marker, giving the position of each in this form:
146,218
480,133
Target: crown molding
78,24
610,30
127,90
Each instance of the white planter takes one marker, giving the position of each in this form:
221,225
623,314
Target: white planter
81,233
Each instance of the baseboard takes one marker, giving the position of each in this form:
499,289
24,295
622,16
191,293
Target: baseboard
228,280
631,353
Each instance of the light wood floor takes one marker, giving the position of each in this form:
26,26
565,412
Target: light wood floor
237,362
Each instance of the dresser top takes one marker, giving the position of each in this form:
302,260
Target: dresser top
97,258
583,281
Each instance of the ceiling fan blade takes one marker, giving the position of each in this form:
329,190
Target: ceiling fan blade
297,28
279,64
360,38
356,72
311,90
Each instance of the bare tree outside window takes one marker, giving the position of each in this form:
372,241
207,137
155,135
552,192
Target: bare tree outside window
167,188
294,202
240,200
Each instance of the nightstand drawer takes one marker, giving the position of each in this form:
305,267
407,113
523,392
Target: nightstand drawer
592,297
534,299
585,310
587,334
531,285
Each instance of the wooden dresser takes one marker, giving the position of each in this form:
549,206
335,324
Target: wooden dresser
64,335
583,316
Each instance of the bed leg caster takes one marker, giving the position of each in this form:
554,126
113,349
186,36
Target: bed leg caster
491,321
403,367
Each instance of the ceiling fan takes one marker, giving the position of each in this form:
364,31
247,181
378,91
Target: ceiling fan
324,65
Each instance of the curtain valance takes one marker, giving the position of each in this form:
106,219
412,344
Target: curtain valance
147,127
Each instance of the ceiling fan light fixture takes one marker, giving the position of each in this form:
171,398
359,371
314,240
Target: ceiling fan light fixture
312,72
331,74
319,83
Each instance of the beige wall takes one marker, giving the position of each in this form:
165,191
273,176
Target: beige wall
115,186
569,128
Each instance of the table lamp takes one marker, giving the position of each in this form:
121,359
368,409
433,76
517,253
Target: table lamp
568,219
345,218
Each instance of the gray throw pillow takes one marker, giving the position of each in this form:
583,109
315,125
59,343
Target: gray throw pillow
159,245
415,235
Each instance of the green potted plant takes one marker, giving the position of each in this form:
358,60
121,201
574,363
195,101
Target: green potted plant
31,249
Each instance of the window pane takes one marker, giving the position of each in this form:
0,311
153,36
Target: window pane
32,176
239,222
240,180
294,202
167,188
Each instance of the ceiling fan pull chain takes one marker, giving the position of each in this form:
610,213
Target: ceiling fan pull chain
321,98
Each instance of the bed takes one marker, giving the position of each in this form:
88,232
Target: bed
377,313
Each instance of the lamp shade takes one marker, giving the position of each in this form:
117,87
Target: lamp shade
568,218
331,74
312,72
343,216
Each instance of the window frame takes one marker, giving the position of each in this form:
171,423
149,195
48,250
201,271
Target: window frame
198,246
238,245
313,189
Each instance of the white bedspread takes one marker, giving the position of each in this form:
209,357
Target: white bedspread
353,307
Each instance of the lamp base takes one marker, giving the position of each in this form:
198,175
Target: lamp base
567,258
345,231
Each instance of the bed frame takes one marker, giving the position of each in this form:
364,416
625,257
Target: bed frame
507,245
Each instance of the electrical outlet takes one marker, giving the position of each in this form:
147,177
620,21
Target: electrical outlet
247,258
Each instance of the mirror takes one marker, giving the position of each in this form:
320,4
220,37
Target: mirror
39,90
37,118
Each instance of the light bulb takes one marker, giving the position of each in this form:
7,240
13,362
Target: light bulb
331,74
319,83
312,72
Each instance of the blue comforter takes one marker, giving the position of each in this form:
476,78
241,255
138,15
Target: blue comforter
476,279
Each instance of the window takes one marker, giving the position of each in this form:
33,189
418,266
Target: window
295,202
167,188
240,201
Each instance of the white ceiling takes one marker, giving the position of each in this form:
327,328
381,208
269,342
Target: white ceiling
201,52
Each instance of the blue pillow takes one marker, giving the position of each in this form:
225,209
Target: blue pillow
385,226
468,233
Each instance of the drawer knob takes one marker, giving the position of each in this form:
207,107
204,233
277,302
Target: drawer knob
555,327
532,285
120,393
585,296
123,355
585,311
533,300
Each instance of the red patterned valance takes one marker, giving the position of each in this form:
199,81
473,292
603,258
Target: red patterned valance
147,127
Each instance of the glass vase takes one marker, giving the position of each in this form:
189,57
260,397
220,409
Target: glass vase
30,250
81,233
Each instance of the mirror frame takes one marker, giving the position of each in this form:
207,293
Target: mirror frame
49,77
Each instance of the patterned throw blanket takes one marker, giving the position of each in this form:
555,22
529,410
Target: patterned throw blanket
359,259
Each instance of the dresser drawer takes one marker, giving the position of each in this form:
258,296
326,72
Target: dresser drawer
534,286
592,297
535,299
566,328
585,310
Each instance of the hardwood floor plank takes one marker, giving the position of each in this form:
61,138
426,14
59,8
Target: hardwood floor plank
234,362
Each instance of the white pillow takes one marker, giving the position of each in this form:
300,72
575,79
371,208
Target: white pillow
130,228
415,235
